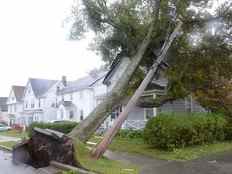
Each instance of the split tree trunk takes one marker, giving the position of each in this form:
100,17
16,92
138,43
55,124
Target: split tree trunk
101,148
94,120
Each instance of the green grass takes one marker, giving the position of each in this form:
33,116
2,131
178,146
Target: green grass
103,165
138,146
8,144
14,133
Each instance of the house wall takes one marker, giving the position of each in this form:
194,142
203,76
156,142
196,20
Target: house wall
14,106
181,105
31,102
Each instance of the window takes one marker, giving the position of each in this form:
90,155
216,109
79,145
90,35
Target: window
71,114
116,112
71,97
39,103
149,113
32,104
26,104
82,115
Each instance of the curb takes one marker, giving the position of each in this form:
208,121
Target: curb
4,148
66,167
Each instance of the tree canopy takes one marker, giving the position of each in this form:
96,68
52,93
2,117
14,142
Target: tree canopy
200,59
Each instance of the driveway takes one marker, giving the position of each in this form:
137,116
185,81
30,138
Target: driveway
214,164
7,167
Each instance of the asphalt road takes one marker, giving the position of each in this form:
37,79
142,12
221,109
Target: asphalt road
7,167
214,164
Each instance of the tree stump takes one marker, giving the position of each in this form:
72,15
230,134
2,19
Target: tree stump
44,146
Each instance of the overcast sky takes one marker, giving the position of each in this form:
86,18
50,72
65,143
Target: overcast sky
33,43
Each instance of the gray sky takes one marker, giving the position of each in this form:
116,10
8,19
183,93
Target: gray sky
33,43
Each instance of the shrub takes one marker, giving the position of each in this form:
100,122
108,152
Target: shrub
228,131
129,133
169,131
64,126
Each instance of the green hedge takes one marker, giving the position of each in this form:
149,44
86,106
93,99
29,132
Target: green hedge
169,131
129,133
64,126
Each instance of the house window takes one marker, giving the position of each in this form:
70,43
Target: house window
71,97
32,104
116,112
39,103
71,114
82,115
26,104
149,113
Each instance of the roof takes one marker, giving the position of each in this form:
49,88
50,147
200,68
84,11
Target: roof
83,83
40,86
112,69
18,91
3,104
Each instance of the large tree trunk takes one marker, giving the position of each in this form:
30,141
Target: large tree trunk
102,111
101,148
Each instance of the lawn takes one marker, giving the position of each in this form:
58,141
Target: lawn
103,165
8,144
138,146
14,133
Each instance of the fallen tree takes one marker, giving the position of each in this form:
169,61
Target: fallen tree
137,29
101,148
86,129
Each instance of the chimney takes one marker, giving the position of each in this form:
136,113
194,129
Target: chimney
64,80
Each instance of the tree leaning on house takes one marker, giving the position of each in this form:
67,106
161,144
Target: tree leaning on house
135,29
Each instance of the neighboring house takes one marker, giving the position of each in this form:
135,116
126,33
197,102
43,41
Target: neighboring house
40,101
138,117
15,104
3,110
3,104
78,98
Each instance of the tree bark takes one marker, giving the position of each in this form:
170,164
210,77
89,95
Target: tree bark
101,148
102,111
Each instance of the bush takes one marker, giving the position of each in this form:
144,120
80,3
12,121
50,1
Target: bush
64,126
169,131
129,133
228,131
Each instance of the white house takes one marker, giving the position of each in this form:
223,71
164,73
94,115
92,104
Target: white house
15,104
40,100
78,98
